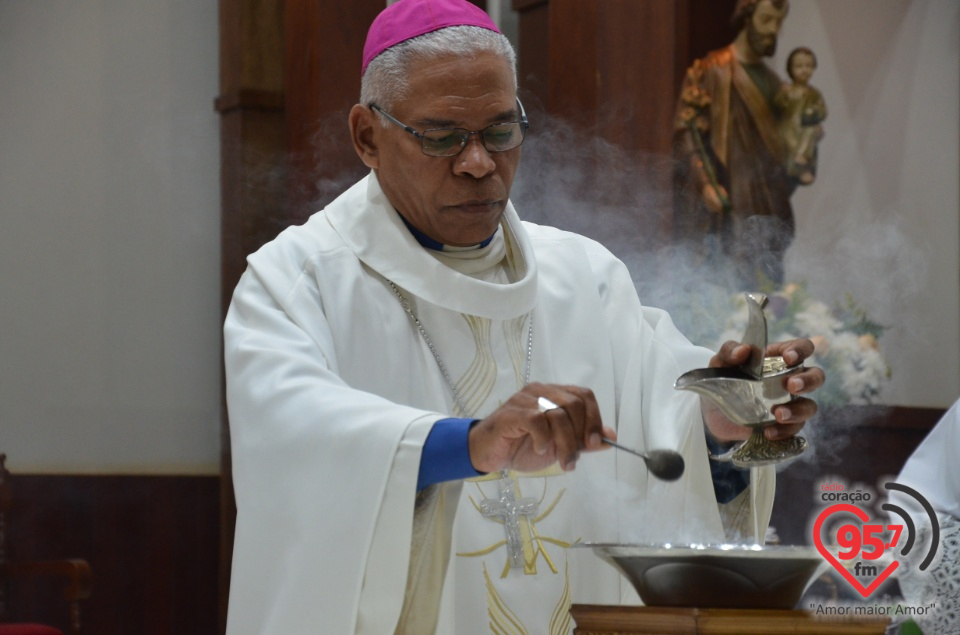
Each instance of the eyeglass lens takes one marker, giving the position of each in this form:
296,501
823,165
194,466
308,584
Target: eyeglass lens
449,141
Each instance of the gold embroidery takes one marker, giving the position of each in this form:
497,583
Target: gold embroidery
482,552
502,619
533,542
560,620
513,333
477,382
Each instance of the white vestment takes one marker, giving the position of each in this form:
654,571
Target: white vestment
932,468
332,390
933,472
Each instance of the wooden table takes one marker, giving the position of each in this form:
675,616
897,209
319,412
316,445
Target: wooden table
645,620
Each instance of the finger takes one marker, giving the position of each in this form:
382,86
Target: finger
581,404
782,431
561,432
553,432
573,400
730,354
792,351
540,433
593,428
607,433
805,381
580,427
538,427
795,412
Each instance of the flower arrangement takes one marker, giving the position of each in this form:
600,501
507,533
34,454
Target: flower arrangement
846,341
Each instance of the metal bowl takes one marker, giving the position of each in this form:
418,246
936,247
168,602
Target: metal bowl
716,576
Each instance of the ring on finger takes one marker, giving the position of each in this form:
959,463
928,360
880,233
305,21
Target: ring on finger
544,404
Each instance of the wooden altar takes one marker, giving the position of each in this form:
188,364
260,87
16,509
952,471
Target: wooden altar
647,620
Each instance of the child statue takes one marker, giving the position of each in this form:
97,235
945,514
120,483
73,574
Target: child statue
802,110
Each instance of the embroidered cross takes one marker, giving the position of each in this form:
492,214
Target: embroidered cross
510,508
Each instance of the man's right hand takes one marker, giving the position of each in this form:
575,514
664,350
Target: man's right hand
520,435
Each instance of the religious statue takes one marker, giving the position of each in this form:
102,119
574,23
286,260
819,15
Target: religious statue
732,186
802,109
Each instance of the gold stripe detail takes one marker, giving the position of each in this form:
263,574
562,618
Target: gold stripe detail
560,620
478,381
549,509
482,552
513,334
502,619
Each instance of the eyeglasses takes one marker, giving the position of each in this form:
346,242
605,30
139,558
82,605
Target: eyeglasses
449,142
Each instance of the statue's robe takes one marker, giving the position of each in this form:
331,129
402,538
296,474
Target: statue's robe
744,147
332,390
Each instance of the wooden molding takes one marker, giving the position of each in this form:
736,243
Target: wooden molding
249,99
646,620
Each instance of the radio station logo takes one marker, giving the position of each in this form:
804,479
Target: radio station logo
864,551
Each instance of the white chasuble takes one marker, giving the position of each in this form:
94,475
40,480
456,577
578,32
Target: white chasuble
332,390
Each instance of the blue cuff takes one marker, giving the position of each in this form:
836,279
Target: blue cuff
446,453
728,480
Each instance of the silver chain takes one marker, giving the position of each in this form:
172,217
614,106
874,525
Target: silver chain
436,355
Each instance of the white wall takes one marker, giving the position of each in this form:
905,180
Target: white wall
882,221
109,236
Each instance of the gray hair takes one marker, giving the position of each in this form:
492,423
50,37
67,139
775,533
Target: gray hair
386,79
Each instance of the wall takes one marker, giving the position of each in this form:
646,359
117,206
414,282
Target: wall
109,236
882,221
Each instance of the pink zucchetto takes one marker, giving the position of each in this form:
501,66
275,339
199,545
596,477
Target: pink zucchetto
407,19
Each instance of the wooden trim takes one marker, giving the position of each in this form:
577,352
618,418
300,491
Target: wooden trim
252,109
249,99
648,620
150,541
884,417
287,67
323,44
523,5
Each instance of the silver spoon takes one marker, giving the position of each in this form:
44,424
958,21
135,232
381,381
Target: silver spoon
666,465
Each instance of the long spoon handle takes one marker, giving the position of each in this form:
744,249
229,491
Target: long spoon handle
622,447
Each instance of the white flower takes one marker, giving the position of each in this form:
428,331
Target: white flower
862,368
845,347
846,344
817,319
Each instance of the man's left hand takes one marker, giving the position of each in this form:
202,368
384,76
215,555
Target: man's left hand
791,416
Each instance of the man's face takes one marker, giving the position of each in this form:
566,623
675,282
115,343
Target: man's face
455,200
763,27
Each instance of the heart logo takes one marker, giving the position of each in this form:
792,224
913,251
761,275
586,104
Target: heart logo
818,541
